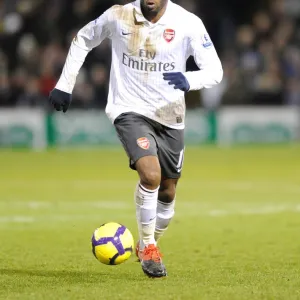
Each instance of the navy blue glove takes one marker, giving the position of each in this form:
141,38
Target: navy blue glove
178,80
60,100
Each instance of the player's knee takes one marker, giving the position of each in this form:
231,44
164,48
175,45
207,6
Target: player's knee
167,195
167,190
149,171
150,178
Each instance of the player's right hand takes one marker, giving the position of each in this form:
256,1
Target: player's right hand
60,100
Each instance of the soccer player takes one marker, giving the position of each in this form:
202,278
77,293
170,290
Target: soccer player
151,42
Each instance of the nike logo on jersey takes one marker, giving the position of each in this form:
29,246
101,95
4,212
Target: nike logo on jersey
126,33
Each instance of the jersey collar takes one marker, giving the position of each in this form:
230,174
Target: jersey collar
141,19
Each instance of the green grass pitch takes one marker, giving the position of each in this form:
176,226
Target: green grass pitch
235,235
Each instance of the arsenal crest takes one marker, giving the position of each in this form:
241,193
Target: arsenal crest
169,35
143,143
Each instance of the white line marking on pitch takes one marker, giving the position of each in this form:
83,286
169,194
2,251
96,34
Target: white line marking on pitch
36,205
17,219
262,210
255,186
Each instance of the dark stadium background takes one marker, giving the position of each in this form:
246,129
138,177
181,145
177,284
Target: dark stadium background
256,40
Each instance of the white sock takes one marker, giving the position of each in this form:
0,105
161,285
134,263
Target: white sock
164,215
146,204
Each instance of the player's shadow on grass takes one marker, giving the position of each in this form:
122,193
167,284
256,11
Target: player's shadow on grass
69,276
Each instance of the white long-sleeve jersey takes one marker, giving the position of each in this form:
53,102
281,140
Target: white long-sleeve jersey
141,53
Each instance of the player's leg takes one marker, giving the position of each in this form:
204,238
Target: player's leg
165,206
171,157
137,136
146,195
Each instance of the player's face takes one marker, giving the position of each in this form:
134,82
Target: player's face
153,6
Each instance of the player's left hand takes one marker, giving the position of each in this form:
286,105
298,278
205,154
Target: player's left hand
178,80
60,100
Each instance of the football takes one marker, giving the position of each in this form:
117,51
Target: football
112,243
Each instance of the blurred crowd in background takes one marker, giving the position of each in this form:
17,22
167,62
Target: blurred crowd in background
258,43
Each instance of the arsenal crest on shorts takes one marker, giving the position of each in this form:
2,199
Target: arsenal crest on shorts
143,143
169,35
